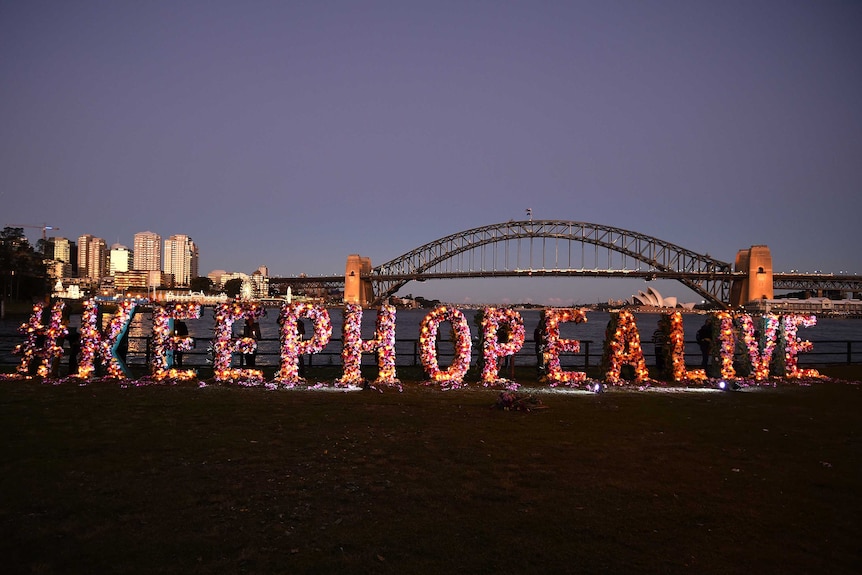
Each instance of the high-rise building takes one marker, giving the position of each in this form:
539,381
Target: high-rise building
120,259
59,255
181,259
260,282
59,249
92,257
148,252
83,247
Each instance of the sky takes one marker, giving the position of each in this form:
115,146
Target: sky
292,134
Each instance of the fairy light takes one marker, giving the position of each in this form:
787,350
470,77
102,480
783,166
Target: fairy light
384,344
746,341
103,347
769,343
671,326
51,333
117,328
351,348
165,344
28,350
623,347
554,345
676,340
224,344
794,346
90,337
430,326
760,360
292,345
723,353
492,348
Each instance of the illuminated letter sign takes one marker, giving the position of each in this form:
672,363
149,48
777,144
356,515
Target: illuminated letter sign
292,345
353,346
623,346
165,344
428,345
494,322
96,346
554,345
34,330
224,344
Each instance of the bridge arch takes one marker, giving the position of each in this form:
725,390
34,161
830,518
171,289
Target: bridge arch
703,274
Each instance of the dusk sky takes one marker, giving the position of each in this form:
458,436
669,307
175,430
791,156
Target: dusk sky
291,134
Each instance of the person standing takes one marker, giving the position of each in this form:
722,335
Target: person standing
539,339
251,329
74,339
300,330
658,342
180,330
704,341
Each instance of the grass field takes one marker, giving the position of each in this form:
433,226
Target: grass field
99,479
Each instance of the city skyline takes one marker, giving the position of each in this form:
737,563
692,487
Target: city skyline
95,261
294,135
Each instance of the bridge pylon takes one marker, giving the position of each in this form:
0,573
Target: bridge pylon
357,285
758,284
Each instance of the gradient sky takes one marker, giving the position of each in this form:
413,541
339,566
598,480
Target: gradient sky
292,134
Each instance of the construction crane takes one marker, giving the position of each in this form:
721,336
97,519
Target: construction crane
43,227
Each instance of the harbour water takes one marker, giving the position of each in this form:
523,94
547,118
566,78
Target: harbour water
830,337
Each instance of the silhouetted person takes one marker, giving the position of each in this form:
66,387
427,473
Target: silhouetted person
74,339
300,329
704,341
658,342
503,336
251,329
539,338
180,330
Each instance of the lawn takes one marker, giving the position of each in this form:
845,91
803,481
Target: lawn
101,479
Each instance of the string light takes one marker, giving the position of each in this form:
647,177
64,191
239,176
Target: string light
292,346
103,347
165,343
554,346
722,331
759,360
384,344
623,347
430,326
33,329
671,326
353,346
794,346
492,348
768,344
224,345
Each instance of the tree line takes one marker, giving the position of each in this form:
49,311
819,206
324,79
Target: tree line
23,273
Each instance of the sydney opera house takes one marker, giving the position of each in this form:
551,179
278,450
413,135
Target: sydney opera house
652,298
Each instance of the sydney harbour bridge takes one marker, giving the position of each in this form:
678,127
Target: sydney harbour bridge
560,248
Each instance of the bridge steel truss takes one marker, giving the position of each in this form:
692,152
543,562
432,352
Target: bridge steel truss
444,257
817,282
